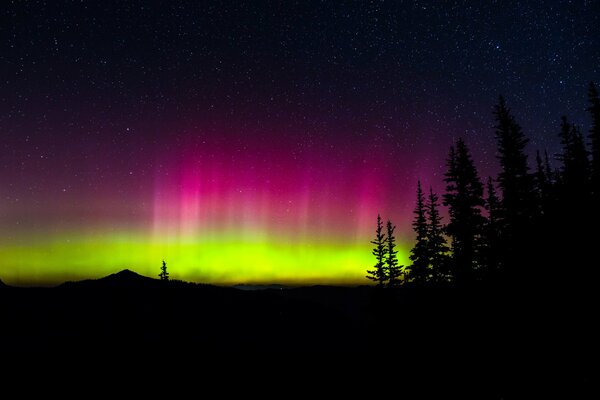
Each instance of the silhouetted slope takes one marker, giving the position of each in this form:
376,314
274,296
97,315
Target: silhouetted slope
127,309
485,333
125,277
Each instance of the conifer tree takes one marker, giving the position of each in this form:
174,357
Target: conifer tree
575,164
393,270
541,182
437,248
581,163
492,230
464,198
518,207
548,169
492,204
164,275
378,274
419,254
514,179
565,141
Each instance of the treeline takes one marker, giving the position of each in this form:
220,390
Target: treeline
531,224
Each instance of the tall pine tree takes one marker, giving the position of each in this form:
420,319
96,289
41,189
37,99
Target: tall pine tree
576,213
518,211
514,179
492,231
552,179
464,198
581,164
419,254
492,204
541,183
548,169
378,274
437,248
393,270
575,164
566,142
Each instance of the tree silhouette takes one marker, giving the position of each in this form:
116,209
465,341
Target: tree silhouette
574,189
492,204
548,169
514,179
541,182
492,230
393,270
581,163
378,274
519,213
579,184
437,248
575,164
515,240
594,110
464,198
545,184
576,212
164,275
419,254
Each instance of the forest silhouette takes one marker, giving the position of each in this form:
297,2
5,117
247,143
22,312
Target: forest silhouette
532,225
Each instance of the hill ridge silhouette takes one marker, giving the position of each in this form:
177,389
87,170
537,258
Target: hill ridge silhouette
126,275
122,278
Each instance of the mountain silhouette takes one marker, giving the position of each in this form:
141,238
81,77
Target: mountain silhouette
127,277
124,278
126,311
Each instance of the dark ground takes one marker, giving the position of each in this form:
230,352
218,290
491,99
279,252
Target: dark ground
496,338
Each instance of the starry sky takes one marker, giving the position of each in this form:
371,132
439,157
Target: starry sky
255,142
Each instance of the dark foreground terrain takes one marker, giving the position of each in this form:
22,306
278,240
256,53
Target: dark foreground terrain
483,333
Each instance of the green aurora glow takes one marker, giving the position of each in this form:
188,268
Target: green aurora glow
221,260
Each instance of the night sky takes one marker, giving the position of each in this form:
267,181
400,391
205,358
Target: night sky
258,142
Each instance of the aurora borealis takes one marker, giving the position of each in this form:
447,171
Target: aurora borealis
248,143
216,216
